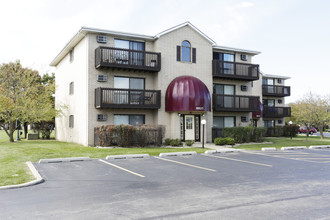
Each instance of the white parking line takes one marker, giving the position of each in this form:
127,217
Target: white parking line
111,164
284,157
186,164
243,161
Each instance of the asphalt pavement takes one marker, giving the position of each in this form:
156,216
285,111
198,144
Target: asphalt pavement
239,185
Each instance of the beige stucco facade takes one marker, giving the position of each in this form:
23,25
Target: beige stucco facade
82,71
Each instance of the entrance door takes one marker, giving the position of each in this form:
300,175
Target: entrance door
189,127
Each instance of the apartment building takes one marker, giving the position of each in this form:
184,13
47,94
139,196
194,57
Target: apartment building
176,78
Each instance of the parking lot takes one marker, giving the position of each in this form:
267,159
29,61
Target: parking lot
238,185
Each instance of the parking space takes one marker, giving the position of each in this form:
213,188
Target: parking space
311,156
232,185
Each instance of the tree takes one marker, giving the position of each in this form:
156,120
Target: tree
312,110
23,97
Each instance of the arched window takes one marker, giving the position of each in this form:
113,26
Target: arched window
185,51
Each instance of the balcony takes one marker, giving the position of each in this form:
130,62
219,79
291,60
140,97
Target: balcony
235,103
109,57
276,112
233,70
127,98
278,91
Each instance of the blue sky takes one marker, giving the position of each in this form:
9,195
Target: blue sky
292,35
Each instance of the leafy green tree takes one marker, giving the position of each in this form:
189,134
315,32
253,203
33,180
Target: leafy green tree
23,97
312,110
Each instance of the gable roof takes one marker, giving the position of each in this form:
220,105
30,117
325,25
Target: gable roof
187,23
86,30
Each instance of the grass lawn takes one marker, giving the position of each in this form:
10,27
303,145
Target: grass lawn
13,156
287,142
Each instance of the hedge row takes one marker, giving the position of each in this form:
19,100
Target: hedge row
128,135
246,134
283,131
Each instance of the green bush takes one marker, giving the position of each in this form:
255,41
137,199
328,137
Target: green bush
224,141
259,134
176,142
167,141
189,142
245,134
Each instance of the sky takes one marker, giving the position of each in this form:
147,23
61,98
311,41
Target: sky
293,36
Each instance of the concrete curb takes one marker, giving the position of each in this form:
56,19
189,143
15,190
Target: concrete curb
294,148
188,153
35,173
222,151
60,160
319,147
128,156
268,149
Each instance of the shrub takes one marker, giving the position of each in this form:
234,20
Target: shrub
224,141
124,135
239,134
189,142
176,142
290,130
167,141
128,135
259,134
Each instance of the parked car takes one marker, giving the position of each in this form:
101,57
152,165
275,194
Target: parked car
312,130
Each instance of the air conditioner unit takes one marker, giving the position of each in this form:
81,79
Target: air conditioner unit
101,39
244,119
102,78
101,117
244,88
244,57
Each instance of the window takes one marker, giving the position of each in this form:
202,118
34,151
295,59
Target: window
185,51
269,123
129,119
71,55
228,100
279,81
227,66
280,121
223,122
220,89
126,57
128,83
71,88
280,101
268,102
71,121
102,117
266,81
125,96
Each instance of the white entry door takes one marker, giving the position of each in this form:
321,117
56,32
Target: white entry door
189,127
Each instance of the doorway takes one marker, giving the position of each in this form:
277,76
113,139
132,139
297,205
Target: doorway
190,127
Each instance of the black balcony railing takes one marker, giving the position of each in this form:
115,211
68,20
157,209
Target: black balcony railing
235,103
276,112
127,98
233,70
279,91
217,132
127,59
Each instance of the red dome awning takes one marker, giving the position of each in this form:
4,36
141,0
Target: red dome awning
187,93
